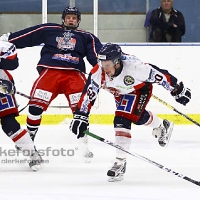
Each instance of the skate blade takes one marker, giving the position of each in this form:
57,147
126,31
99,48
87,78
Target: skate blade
35,168
115,178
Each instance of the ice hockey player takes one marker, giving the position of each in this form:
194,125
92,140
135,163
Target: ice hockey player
8,107
130,81
61,66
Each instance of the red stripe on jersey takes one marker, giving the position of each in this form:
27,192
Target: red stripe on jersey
93,40
38,29
93,46
79,105
95,69
9,75
19,136
57,67
168,78
139,86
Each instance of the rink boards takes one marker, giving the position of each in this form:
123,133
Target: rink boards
181,60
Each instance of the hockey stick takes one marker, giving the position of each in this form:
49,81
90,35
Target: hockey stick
174,109
23,95
143,158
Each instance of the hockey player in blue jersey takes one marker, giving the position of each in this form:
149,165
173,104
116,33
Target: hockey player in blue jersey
131,83
8,106
61,66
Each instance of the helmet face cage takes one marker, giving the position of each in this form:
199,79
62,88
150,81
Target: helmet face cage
111,52
71,10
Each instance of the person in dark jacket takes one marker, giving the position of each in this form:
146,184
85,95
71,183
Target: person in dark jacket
167,24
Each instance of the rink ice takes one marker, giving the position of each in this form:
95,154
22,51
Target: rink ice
70,178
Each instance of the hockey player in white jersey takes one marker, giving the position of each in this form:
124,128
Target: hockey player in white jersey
8,106
130,81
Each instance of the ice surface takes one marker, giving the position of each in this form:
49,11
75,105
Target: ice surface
69,178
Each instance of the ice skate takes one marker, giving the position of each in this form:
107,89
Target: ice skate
84,152
116,172
32,133
36,161
163,132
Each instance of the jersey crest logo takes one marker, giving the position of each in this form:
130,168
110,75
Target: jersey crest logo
129,80
67,42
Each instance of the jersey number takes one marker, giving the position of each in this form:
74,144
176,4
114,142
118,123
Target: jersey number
91,94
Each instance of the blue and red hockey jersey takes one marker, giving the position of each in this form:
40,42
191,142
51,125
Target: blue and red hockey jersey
63,49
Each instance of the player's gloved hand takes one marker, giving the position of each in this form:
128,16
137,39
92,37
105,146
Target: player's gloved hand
8,52
5,37
181,94
79,124
6,87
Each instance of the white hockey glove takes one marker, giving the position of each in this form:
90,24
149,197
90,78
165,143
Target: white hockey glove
181,94
8,51
5,37
79,124
6,87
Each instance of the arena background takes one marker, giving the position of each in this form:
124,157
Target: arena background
117,21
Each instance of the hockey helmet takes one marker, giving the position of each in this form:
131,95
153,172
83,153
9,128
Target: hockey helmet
71,10
110,52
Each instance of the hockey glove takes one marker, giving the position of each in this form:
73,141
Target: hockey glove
6,87
79,124
182,95
5,37
8,52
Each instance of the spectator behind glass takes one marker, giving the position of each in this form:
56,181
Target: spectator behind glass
168,24
147,25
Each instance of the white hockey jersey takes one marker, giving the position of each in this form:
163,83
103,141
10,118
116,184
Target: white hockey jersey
135,75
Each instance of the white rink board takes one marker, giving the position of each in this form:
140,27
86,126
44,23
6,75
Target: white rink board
181,61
